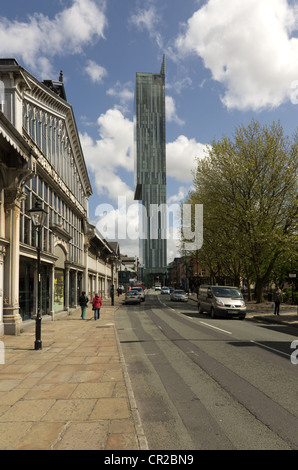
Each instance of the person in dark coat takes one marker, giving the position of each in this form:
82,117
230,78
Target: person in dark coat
277,299
83,301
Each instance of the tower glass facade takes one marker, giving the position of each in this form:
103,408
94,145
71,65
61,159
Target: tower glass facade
150,170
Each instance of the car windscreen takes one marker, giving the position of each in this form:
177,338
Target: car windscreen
226,292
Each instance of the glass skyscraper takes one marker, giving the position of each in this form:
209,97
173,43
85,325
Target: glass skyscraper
150,172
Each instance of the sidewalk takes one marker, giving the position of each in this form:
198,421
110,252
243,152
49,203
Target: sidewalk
288,314
74,394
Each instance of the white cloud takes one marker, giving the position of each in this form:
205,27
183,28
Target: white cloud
120,222
114,150
124,93
171,112
248,48
181,158
180,196
145,19
96,72
181,84
148,19
41,38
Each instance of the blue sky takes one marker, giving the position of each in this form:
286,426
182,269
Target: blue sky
227,61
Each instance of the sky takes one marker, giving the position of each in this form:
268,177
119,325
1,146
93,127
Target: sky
227,62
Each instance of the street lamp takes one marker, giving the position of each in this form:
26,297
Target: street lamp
113,258
38,215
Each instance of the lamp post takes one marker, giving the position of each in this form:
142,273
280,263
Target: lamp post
112,259
38,215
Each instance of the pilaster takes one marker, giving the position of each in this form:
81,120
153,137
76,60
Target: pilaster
2,256
11,315
67,288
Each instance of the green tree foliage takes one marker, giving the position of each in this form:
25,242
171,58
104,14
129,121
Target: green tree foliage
248,186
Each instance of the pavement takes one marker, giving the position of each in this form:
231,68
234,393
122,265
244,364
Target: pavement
75,393
288,314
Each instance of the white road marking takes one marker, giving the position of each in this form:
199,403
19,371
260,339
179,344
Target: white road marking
271,349
216,328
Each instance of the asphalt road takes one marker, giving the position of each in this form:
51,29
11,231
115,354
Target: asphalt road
202,383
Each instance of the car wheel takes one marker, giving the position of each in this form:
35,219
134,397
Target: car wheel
200,310
212,313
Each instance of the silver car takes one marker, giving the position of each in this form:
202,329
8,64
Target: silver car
165,290
179,295
132,297
140,291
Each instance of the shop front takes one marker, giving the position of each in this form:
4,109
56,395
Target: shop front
75,287
59,290
28,288
59,278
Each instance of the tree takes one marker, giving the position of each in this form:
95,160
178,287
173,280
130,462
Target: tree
248,187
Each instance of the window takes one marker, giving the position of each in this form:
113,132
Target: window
44,133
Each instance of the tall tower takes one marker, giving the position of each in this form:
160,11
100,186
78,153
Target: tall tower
150,172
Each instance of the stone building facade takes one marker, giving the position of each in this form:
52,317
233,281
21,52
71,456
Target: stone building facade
41,159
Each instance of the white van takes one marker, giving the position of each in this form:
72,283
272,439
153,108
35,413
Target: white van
224,301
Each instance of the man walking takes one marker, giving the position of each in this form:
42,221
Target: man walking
83,301
277,298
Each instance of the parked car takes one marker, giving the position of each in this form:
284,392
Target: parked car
140,291
179,295
132,297
224,301
165,290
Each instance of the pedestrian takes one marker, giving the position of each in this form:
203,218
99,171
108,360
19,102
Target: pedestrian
277,298
96,304
83,301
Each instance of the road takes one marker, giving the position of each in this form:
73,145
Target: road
202,383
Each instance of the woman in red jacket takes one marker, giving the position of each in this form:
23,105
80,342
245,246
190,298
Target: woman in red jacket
96,303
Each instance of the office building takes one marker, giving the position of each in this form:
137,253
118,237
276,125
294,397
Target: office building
150,172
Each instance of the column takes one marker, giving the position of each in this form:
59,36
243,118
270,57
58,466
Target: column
67,288
11,316
85,280
76,289
97,284
2,254
52,291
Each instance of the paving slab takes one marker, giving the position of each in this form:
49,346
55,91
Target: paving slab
74,393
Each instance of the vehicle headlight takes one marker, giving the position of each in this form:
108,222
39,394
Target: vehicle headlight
220,302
